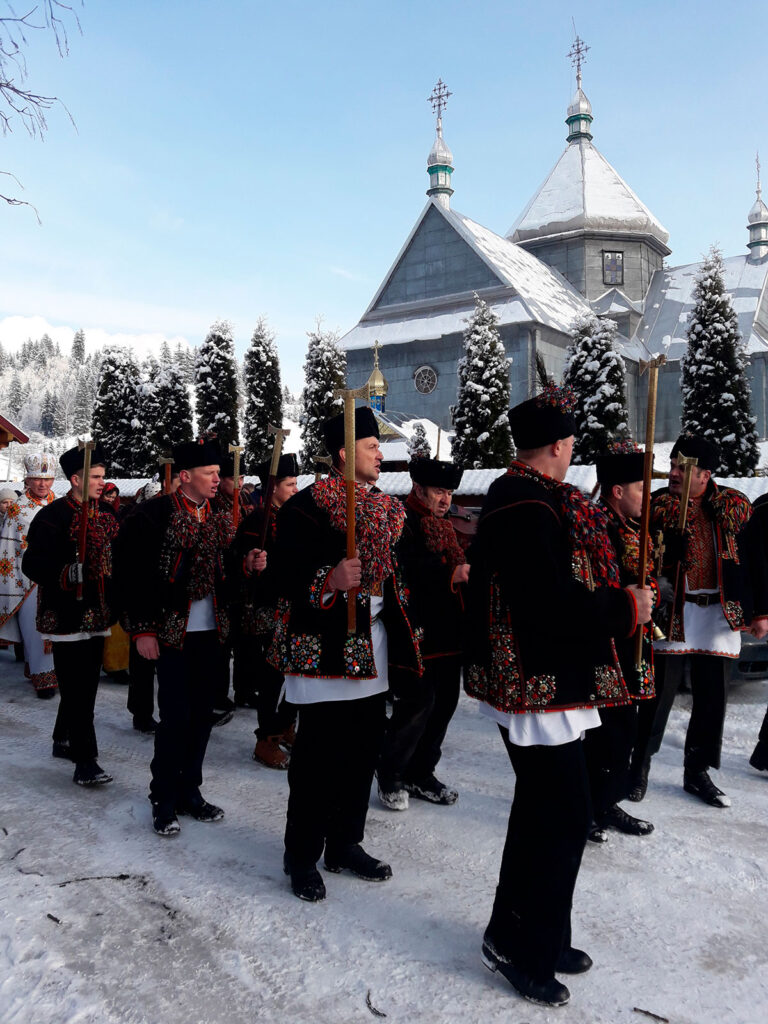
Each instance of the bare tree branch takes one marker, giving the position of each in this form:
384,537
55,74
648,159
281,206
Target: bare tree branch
18,102
12,201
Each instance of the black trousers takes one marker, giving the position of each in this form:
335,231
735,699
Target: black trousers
709,689
421,712
548,825
78,667
245,679
141,686
220,677
330,774
185,689
607,751
275,716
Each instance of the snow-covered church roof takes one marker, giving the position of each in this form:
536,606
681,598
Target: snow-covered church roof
584,192
669,303
538,293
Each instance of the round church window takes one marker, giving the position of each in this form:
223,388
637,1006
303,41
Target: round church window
425,379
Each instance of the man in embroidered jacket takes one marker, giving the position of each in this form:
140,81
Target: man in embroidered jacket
175,602
608,749
223,503
544,602
706,588
18,594
75,627
338,679
256,683
436,570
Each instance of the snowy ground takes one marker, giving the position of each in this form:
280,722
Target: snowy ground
203,929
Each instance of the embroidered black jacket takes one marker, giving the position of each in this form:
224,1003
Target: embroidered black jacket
311,637
435,605
729,511
538,638
625,537
52,548
164,560
255,602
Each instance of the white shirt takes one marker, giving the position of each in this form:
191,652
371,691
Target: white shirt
311,690
545,729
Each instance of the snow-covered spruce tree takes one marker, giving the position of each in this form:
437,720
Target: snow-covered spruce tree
483,439
418,445
263,394
713,377
77,355
325,370
216,385
145,460
116,413
47,415
14,399
173,424
594,370
82,412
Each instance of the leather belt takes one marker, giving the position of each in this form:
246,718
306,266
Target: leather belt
703,600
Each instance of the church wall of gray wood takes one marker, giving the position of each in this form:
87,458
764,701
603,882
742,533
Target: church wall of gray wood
399,362
437,263
580,261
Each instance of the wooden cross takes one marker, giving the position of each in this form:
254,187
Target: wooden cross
236,450
348,395
166,462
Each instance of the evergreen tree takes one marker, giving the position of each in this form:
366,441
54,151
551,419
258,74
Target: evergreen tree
418,445
263,394
47,415
165,353
3,359
83,408
713,379
116,422
77,355
216,385
483,439
594,371
173,410
325,371
14,398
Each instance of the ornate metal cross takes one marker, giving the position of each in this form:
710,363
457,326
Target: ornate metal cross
578,55
439,98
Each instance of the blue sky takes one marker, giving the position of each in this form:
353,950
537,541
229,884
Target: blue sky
234,159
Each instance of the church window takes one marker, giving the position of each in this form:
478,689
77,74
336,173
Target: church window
425,380
613,267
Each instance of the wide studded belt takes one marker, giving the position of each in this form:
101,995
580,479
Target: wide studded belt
703,600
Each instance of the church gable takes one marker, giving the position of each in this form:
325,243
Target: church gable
437,262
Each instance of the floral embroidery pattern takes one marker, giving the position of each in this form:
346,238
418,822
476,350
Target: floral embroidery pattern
318,583
593,557
171,632
646,686
305,653
609,684
47,621
734,613
504,681
540,690
358,657
7,568
379,521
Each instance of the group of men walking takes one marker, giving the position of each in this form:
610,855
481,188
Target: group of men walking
545,615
